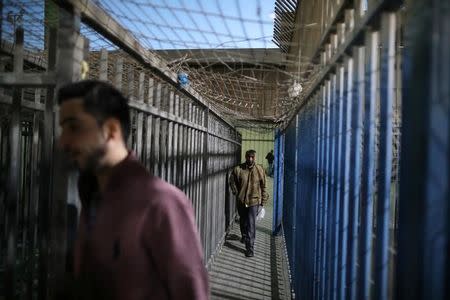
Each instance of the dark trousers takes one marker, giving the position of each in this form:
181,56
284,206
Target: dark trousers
247,218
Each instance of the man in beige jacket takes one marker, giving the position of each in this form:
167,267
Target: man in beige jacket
248,182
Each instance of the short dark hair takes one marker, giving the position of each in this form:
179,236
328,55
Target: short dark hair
250,152
101,100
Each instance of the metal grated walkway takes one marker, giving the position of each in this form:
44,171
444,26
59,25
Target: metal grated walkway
264,276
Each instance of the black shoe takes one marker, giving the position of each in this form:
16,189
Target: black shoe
249,253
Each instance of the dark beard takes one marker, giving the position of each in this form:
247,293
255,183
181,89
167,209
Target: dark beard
93,160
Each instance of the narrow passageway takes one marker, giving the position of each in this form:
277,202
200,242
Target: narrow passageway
351,96
264,276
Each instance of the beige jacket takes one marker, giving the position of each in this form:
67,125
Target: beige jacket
249,184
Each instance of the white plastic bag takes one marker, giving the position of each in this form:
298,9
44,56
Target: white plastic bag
261,213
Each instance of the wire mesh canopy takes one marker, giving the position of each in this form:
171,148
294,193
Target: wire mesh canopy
233,53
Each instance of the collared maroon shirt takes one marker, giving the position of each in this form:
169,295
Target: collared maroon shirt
138,239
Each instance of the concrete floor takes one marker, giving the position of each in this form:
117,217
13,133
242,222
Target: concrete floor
264,276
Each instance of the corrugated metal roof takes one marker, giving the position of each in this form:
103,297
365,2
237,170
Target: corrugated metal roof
284,23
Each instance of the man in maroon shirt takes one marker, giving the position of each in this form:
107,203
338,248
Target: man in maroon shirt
136,237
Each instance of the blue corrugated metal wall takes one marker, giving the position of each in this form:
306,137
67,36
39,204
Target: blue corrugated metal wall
339,187
278,181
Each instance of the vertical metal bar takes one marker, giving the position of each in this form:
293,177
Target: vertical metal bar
163,135
184,135
345,174
205,179
139,133
437,206
368,164
72,49
176,141
130,81
331,191
45,173
339,204
207,148
37,95
148,142
13,186
103,74
295,197
318,188
34,200
387,85
319,215
355,164
118,74
188,149
346,188
151,90
170,142
325,244
141,87
337,174
156,130
194,163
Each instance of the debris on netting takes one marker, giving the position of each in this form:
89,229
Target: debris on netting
295,89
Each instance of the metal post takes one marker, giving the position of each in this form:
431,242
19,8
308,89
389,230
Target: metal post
103,73
368,164
387,85
338,173
345,170
350,209
424,210
355,165
13,185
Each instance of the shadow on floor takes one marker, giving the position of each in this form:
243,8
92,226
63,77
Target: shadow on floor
233,247
232,237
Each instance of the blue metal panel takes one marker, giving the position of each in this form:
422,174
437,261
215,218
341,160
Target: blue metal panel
352,210
278,182
368,165
319,203
424,208
355,166
338,232
320,124
345,170
325,211
387,84
331,257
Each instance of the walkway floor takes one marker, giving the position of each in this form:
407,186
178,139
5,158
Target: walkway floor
264,276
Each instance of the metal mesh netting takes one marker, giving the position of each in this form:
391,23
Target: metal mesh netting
229,51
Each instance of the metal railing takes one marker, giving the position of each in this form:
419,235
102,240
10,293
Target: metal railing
175,134
341,156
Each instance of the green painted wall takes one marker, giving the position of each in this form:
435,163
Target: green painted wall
260,140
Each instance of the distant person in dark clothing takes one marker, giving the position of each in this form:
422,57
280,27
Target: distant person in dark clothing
248,182
137,237
270,159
